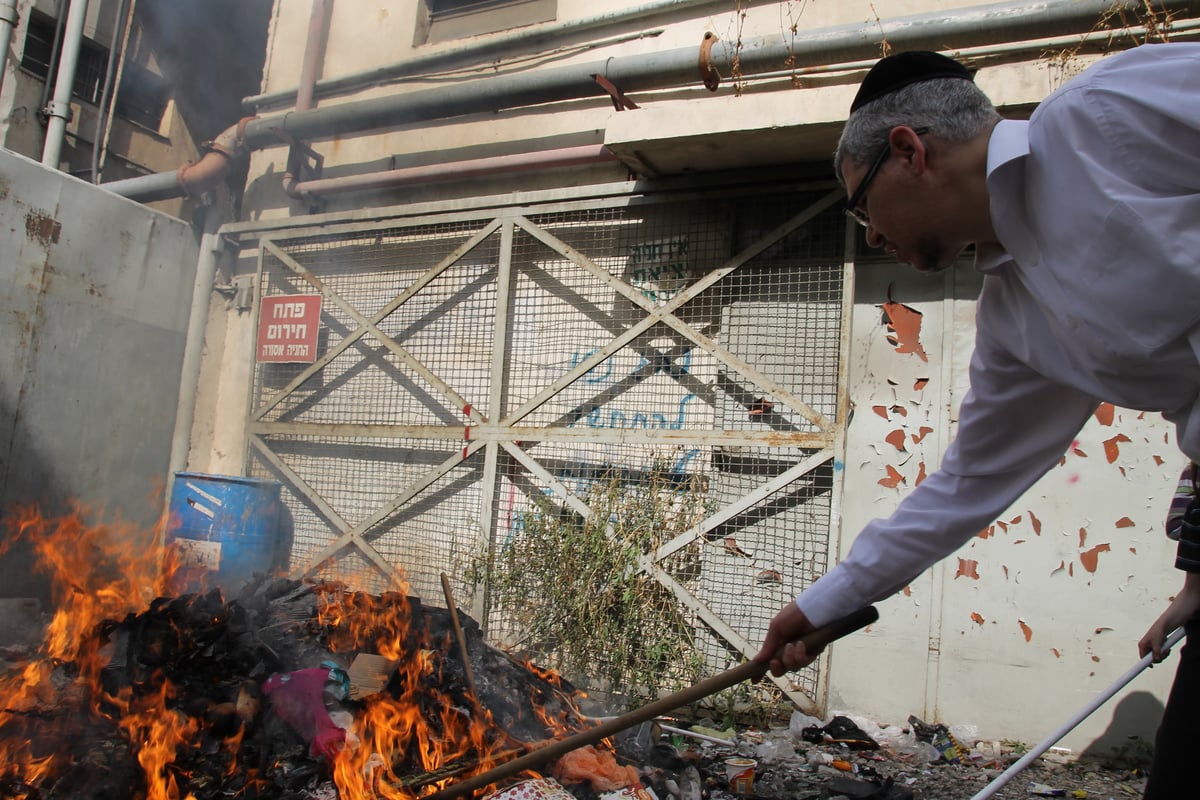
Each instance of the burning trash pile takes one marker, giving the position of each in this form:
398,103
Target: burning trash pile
286,688
298,690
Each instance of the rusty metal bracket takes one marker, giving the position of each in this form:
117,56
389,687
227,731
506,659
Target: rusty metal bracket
708,73
620,101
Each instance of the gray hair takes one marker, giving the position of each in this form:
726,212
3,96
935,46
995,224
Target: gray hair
952,109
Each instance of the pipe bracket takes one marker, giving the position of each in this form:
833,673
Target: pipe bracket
619,100
709,73
56,108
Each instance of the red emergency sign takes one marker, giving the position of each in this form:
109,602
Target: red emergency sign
287,328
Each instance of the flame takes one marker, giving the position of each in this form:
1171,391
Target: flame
157,732
95,573
418,736
399,722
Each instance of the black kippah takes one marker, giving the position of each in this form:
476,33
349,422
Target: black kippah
896,72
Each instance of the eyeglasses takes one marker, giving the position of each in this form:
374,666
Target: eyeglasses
853,206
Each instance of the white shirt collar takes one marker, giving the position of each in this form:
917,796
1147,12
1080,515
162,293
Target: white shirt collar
1009,141
1008,145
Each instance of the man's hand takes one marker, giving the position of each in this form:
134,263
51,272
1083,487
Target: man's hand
780,649
1181,609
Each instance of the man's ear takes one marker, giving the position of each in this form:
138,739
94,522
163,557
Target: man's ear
908,145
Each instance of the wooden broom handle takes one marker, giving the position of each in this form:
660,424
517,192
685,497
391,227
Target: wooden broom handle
814,640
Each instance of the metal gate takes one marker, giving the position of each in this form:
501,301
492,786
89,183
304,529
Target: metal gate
478,365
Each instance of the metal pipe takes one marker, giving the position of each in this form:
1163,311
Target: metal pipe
112,72
1070,724
190,179
318,31
59,109
56,45
8,20
148,188
496,165
318,26
991,24
994,23
207,262
522,41
1178,27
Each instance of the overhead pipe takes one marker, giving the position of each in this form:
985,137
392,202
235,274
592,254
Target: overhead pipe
994,23
976,25
190,180
496,165
8,20
58,111
523,41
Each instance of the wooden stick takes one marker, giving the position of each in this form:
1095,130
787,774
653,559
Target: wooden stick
462,639
747,671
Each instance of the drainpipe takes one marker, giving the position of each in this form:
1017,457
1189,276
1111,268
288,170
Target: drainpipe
8,21
112,84
207,262
59,109
524,41
318,29
59,20
988,24
520,162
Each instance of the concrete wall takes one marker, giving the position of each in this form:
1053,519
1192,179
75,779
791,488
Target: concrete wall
1042,610
95,292
1038,614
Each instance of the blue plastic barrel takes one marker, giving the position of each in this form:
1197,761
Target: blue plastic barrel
224,528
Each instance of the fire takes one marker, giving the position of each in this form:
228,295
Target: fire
95,573
423,732
158,732
399,721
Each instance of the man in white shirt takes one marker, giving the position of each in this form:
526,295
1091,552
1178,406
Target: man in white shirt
1086,224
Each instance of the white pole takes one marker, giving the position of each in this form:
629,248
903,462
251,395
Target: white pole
1079,717
59,108
8,21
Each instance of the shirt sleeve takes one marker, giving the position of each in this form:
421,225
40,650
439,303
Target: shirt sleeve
1014,425
1184,492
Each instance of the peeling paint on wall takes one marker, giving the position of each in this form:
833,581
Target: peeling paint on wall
893,479
976,617
896,439
904,326
1090,559
967,568
881,411
1025,629
920,435
1125,522
1112,447
1104,414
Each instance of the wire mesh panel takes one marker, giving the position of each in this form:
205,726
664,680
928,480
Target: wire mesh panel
637,404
